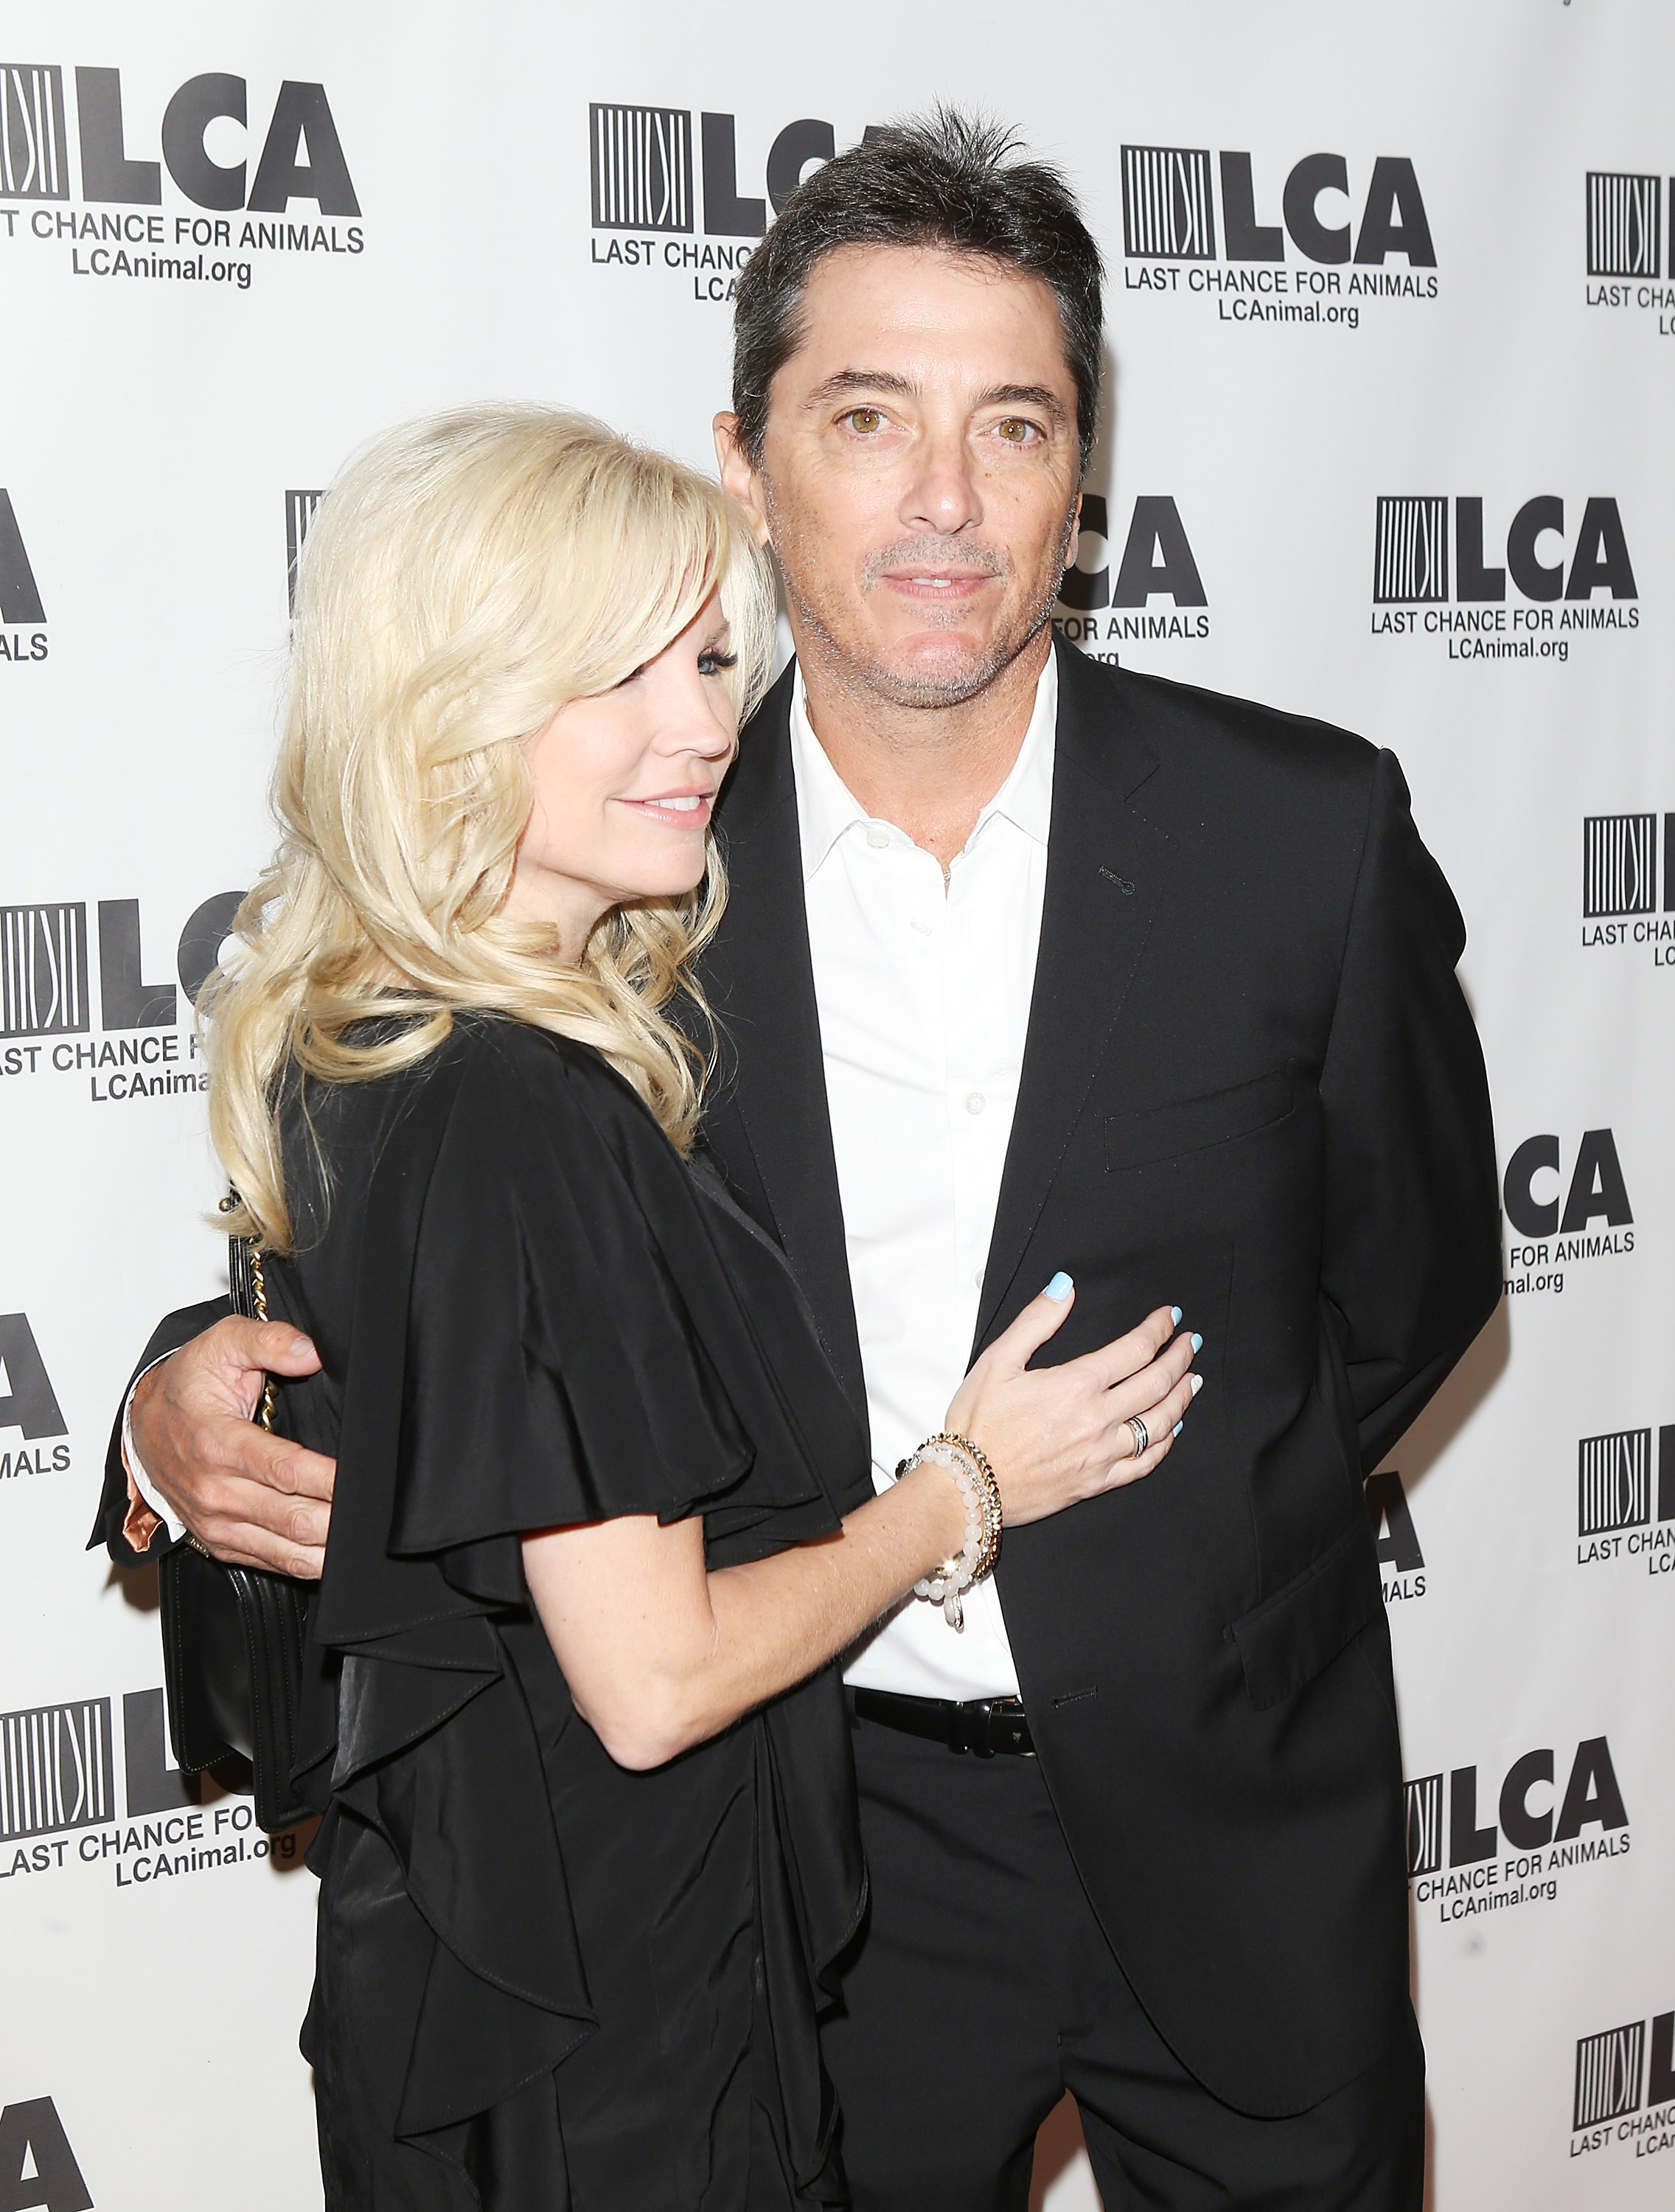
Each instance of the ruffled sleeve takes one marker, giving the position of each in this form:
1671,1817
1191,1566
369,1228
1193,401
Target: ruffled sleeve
574,1348
555,1371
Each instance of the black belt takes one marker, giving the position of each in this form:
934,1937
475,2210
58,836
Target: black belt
985,1725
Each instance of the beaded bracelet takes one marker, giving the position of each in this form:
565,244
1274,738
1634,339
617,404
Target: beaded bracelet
981,1493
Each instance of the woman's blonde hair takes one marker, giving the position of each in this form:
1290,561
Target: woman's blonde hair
464,577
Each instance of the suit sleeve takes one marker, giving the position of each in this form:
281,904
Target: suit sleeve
1412,1267
173,1332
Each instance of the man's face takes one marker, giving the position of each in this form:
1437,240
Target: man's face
918,475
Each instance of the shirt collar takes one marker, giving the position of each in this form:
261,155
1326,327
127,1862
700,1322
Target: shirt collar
826,807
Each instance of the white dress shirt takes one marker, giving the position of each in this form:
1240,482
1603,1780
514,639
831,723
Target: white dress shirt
924,992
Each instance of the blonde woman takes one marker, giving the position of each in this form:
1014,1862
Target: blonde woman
589,1853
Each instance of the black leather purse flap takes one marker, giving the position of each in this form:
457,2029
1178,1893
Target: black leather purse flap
232,1639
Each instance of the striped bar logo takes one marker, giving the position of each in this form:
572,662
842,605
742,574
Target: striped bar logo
1625,224
1614,1482
1168,210
1411,551
1619,865
34,164
1608,2074
300,510
642,167
43,970
55,1768
1424,1824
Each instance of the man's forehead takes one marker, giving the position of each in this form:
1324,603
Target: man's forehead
892,308
901,272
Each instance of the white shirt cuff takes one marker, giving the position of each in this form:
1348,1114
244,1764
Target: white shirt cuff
142,1482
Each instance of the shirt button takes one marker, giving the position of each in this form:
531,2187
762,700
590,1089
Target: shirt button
975,1102
978,1279
875,837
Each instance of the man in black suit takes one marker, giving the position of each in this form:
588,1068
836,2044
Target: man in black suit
1077,972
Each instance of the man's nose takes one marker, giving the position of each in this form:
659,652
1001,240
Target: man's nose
942,494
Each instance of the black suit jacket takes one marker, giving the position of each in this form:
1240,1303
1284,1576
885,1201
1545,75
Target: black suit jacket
1251,1087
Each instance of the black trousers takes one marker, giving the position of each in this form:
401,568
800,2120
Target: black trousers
983,1988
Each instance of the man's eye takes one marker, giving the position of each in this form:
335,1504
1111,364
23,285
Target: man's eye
1016,431
712,661
865,420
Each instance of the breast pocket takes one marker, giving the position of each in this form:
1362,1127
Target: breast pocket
1193,1125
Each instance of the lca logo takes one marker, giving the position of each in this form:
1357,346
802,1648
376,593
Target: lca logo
1620,902
46,1004
1395,1540
37,2167
301,160
29,1405
59,1810
1625,253
1624,2088
659,180
1156,562
1555,1236
1169,224
1545,1833
1626,1499
1415,588
22,616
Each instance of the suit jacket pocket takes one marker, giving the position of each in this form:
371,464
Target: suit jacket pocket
1292,1636
1164,1132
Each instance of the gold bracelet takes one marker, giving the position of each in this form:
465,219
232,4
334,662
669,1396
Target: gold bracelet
969,1467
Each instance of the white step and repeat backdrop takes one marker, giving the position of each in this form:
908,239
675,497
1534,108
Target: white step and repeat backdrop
1392,320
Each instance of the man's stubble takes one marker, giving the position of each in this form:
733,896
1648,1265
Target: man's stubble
865,677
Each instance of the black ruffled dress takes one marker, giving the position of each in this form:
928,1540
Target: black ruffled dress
544,1982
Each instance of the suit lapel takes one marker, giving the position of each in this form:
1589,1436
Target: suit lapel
1106,872
770,1096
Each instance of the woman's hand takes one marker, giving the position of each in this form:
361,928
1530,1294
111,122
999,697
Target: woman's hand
1061,1434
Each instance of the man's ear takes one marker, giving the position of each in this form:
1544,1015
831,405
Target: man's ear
1073,539
740,476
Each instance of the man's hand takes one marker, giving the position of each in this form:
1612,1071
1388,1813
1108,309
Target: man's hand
253,1499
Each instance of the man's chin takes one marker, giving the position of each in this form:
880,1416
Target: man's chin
942,672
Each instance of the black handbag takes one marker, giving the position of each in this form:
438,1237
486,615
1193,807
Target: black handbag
233,1637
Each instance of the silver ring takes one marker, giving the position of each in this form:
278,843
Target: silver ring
1142,1436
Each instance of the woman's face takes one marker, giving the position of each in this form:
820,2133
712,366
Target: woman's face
624,785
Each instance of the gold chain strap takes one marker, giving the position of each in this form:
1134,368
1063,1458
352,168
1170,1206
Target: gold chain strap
258,1299
264,1410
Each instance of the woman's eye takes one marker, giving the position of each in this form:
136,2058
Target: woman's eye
865,420
712,661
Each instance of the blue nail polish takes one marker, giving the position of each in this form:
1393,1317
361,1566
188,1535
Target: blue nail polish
1060,1287
1175,1315
1179,1426
1197,1341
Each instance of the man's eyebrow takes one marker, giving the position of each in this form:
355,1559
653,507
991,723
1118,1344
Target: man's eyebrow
1024,395
861,380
